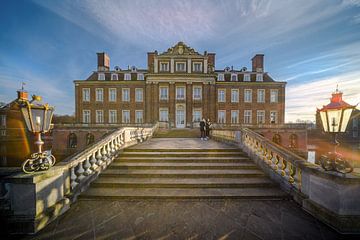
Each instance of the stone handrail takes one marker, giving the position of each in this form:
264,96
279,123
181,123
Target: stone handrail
330,196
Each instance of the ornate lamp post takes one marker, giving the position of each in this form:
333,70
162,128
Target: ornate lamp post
335,117
38,119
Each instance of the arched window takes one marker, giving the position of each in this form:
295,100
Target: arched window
276,139
72,140
89,139
293,141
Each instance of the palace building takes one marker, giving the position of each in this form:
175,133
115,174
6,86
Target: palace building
179,87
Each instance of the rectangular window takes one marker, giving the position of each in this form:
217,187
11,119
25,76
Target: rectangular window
163,115
3,133
3,120
180,93
197,92
114,76
247,116
86,116
125,95
138,94
164,66
259,77
248,95
140,76
220,77
99,94
180,66
273,117
139,116
164,93
354,123
221,116
86,94
261,95
127,77
112,116
221,95
234,78
355,134
234,116
101,76
197,67
274,93
99,116
112,94
234,95
260,117
197,115
246,77
126,116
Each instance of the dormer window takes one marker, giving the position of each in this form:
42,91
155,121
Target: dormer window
133,69
234,77
140,76
246,77
127,76
180,67
164,66
101,76
114,76
220,77
197,67
259,77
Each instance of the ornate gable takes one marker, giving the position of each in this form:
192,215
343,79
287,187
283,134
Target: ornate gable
180,49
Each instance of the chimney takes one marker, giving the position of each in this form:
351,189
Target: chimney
103,61
150,61
211,59
22,95
258,63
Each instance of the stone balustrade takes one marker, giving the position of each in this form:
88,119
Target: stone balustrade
34,200
329,196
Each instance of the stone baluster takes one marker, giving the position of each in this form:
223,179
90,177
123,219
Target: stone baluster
80,172
269,157
87,166
283,165
108,155
298,178
73,177
292,172
99,157
93,162
104,156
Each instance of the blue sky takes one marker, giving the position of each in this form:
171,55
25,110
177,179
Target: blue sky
313,45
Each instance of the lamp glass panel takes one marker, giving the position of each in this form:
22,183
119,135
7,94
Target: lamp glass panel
334,120
323,120
25,113
38,119
346,118
49,114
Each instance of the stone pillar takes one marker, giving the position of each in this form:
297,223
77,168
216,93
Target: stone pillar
155,65
148,100
189,65
155,102
172,96
212,102
189,98
205,65
172,65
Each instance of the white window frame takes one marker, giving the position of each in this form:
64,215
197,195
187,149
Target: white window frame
197,70
161,119
237,116
112,116
127,76
258,115
177,64
247,116
3,132
222,97
261,97
123,95
221,77
235,98
224,119
3,120
112,94
114,77
276,117
99,97
86,116
232,77
137,118
86,94
139,98
161,97
274,95
197,96
123,119
178,97
248,98
259,77
101,76
199,110
247,78
164,69
99,116
140,77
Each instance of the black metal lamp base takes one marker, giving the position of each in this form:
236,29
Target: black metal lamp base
38,162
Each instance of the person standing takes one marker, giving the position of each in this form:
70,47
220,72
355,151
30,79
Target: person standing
202,129
207,128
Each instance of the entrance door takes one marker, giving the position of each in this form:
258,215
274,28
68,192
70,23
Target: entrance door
180,116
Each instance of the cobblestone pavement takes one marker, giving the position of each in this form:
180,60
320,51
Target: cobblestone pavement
185,219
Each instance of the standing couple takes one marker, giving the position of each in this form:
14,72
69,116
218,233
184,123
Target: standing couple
205,129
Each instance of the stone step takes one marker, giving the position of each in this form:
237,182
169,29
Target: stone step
182,150
196,165
182,154
113,182
184,193
184,160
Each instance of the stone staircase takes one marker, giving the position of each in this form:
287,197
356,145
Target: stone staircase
183,174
